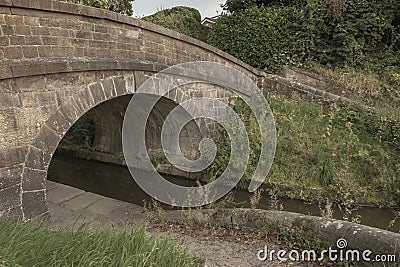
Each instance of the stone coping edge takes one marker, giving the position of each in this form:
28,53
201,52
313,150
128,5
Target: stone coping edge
326,231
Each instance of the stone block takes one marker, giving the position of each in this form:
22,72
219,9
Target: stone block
30,52
83,100
82,201
6,2
34,180
79,42
31,21
4,41
84,35
12,156
12,52
9,123
97,92
38,159
28,70
29,84
100,36
46,140
37,30
7,29
60,32
17,40
10,198
37,99
71,112
100,28
33,40
63,193
109,88
23,30
130,83
120,85
105,206
10,176
56,67
14,213
34,203
59,123
49,40
9,100
50,22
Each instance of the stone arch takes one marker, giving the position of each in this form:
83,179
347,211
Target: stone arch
43,146
91,97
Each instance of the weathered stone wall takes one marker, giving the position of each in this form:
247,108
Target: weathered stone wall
60,60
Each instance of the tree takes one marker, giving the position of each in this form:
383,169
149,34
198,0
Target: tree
232,6
120,6
261,37
182,19
347,32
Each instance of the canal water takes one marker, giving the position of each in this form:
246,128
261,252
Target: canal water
116,182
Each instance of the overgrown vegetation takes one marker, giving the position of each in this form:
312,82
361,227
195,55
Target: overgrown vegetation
261,37
339,154
342,155
181,19
333,33
81,134
27,244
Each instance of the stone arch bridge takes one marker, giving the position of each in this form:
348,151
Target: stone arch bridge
60,60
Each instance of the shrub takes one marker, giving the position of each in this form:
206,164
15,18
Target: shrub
261,37
181,19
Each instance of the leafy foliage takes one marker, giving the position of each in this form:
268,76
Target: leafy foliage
342,33
80,134
239,5
120,6
261,37
331,32
184,20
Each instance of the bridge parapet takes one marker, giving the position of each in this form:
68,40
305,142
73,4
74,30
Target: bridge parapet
55,36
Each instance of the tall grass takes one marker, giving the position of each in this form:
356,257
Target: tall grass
335,154
27,244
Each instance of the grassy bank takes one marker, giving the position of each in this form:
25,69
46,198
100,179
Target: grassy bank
349,156
326,154
27,244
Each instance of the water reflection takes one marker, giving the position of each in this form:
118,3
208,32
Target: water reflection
116,182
